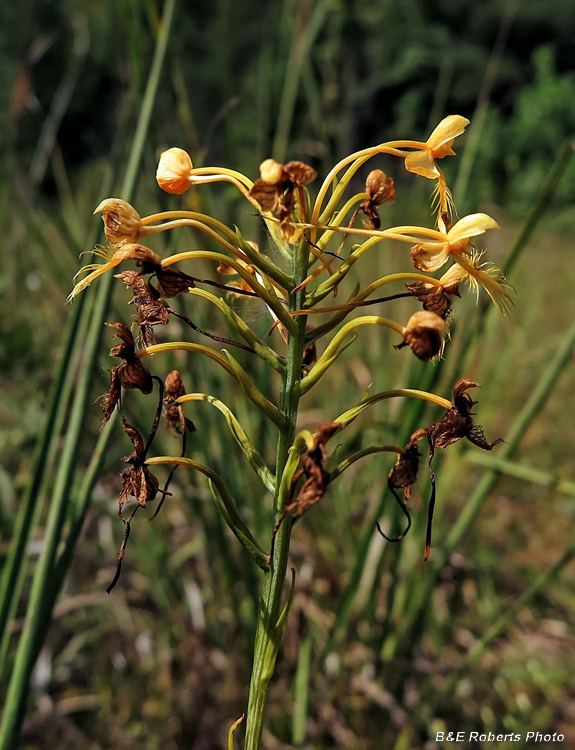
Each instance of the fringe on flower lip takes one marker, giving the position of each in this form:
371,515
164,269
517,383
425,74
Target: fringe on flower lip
130,251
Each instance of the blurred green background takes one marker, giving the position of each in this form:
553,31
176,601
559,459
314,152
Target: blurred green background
381,650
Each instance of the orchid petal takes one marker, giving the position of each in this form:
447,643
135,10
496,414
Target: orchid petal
448,129
470,226
429,256
421,163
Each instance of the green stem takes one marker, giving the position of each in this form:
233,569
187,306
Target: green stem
270,619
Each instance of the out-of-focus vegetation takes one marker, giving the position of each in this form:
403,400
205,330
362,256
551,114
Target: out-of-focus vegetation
376,648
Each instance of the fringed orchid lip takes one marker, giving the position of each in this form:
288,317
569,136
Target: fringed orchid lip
131,251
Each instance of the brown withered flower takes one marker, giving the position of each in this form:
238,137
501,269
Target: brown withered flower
424,335
171,281
122,223
131,373
309,355
152,311
137,481
177,421
276,190
317,478
433,298
403,476
457,423
313,489
381,191
174,412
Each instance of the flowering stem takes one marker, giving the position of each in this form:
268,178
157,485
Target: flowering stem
270,617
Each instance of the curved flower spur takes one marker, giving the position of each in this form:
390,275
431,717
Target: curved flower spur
312,262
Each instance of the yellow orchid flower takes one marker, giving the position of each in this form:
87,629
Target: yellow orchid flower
429,256
438,145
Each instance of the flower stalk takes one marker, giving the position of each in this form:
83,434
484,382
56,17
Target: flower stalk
302,230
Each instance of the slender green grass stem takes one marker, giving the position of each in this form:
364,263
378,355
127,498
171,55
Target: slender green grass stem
269,623
45,584
498,628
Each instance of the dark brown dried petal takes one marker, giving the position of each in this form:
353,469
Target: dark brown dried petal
135,438
462,400
425,343
266,195
325,432
113,396
132,373
313,489
126,350
137,481
317,480
370,210
135,374
433,298
128,277
404,474
451,428
458,422
309,357
172,282
144,293
299,174
154,313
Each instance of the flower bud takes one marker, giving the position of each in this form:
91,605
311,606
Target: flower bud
122,222
424,334
173,173
271,171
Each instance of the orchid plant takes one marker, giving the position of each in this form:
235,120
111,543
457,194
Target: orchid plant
310,264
